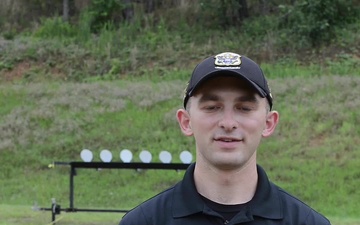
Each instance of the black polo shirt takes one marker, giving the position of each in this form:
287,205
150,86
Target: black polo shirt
182,205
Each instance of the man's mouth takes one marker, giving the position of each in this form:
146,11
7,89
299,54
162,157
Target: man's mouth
224,139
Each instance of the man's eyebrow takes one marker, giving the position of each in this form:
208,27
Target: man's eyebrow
247,98
213,97
209,97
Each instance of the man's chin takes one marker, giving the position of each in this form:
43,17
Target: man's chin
228,165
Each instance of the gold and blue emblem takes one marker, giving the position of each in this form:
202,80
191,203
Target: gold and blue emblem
227,59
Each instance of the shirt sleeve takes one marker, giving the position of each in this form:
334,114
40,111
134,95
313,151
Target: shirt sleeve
316,218
134,217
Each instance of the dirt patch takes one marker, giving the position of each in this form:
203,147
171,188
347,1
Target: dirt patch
317,141
22,69
17,72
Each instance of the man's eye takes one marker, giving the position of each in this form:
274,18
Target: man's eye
211,107
244,108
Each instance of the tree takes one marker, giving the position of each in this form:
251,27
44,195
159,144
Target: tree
128,10
243,10
66,10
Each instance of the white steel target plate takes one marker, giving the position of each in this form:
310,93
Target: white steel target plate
126,155
105,155
165,157
186,157
86,155
145,156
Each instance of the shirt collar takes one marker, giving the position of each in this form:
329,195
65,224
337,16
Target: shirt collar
186,199
266,202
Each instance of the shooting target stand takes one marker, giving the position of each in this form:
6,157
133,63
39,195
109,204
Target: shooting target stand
106,157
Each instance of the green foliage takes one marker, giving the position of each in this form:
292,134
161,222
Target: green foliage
6,65
84,27
42,5
9,34
258,27
104,12
55,27
224,13
316,21
344,64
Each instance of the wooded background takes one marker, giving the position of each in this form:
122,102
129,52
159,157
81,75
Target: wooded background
229,12
22,11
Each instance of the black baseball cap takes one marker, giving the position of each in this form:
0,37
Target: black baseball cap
229,64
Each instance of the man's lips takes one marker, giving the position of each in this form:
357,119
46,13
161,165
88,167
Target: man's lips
227,139
227,142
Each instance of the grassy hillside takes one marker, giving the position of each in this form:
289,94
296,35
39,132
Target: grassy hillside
120,89
314,153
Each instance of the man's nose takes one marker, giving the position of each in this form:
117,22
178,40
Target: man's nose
228,120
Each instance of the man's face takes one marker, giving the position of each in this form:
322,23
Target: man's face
227,119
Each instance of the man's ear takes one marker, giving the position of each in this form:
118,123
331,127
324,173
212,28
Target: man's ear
183,118
271,121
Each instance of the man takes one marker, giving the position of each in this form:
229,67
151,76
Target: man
227,109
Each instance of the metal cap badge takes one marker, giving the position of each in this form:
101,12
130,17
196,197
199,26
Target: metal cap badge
227,59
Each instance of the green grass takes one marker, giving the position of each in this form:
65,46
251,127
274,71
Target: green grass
19,214
313,152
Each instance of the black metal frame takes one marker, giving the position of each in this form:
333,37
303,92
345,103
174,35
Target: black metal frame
56,209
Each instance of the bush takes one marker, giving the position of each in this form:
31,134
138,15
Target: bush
55,27
224,13
315,21
104,12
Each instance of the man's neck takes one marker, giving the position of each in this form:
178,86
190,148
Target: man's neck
226,186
